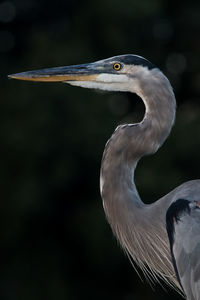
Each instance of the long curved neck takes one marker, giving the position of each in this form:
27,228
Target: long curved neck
132,141
129,217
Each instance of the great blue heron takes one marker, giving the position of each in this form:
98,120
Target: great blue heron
140,228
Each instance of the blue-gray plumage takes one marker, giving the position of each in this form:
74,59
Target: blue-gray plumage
140,228
183,227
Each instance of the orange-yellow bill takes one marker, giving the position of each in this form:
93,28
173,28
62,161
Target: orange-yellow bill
85,72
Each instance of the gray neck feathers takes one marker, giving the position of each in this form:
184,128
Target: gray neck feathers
129,217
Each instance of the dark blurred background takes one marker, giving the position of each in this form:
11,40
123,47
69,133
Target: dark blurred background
55,241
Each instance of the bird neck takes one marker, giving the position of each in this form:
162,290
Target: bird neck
132,221
132,141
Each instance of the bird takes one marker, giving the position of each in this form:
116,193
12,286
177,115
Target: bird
183,224
140,228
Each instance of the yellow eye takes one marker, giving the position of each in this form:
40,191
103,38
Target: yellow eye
117,66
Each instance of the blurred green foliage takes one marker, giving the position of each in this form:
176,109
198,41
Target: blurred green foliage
55,241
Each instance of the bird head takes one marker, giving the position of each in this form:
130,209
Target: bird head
112,74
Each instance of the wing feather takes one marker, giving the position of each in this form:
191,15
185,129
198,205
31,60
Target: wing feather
185,245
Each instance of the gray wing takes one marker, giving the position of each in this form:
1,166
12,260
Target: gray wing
183,226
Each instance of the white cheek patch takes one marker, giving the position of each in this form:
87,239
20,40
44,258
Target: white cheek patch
112,78
107,82
99,85
106,86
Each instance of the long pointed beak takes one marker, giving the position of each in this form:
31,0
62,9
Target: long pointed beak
84,72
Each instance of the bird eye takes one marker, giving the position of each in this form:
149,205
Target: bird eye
117,66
